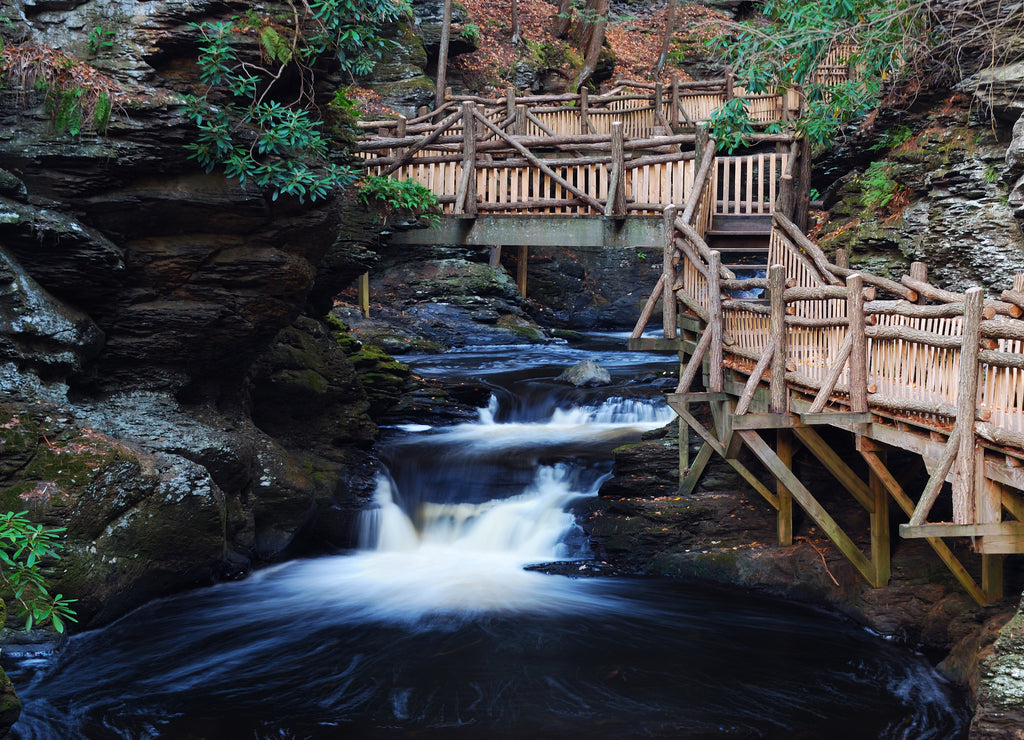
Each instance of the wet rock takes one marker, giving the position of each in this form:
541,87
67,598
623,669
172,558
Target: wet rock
586,374
39,332
1000,89
399,77
999,691
305,390
428,15
947,206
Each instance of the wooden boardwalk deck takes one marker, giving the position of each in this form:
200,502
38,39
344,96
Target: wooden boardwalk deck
896,365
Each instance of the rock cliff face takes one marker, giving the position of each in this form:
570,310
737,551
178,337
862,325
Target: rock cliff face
168,393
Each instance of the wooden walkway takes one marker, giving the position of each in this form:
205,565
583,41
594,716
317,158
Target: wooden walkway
775,350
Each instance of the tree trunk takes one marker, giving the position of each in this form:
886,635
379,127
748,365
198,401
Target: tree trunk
442,54
590,37
563,19
670,24
515,23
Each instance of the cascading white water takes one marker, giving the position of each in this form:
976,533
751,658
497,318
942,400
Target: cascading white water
461,557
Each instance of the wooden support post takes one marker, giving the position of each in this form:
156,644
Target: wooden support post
880,549
843,259
440,92
510,101
835,464
659,112
363,291
702,147
689,374
521,270
777,335
674,112
874,460
684,449
859,345
808,503
992,576
400,125
802,203
784,450
465,200
668,296
919,272
716,370
717,447
693,474
616,205
494,256
966,401
519,129
585,127
730,84
938,475
988,494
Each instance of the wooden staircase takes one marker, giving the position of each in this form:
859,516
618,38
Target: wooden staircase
743,241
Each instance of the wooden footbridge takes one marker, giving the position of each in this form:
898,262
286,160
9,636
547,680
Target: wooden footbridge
776,340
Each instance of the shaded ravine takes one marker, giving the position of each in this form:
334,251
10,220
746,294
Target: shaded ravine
434,629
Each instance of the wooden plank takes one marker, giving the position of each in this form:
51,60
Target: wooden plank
809,504
697,397
944,529
835,465
836,418
764,421
1013,502
659,344
1000,544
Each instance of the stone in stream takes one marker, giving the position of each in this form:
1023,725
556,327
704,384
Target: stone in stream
586,374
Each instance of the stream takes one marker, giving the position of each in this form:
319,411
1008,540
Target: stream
433,628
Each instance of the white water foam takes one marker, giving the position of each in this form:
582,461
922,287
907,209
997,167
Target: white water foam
615,418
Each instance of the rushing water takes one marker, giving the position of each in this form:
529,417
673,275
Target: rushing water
434,629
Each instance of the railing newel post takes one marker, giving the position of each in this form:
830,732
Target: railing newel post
668,296
966,405
779,403
859,346
716,355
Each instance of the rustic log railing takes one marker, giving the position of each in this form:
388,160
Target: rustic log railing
904,364
491,166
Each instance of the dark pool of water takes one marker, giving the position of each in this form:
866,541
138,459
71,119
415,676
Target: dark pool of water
435,630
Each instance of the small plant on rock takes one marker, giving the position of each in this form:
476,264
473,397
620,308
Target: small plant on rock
396,197
258,118
25,548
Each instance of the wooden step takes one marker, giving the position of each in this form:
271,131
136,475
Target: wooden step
739,250
754,222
